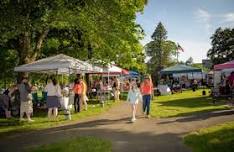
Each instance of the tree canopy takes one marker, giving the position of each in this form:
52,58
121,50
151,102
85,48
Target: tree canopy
189,61
222,46
160,50
101,29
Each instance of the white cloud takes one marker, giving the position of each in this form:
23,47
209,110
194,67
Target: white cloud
195,49
212,21
229,17
204,17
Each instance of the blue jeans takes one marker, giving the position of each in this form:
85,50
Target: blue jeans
146,103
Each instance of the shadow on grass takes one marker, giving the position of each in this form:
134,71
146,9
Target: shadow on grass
221,140
12,126
199,116
121,139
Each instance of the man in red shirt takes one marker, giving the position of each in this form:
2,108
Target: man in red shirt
146,91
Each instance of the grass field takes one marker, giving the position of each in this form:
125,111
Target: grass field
218,138
182,104
41,121
81,144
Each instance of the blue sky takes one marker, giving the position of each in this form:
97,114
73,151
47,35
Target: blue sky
191,23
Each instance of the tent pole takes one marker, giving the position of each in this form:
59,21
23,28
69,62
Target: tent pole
62,79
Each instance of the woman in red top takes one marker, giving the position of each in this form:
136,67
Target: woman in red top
78,91
146,91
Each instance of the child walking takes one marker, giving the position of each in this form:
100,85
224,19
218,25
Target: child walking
134,96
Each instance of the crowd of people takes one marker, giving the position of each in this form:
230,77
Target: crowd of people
56,96
76,94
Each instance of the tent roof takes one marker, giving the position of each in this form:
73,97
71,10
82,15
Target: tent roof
180,68
113,69
226,65
58,64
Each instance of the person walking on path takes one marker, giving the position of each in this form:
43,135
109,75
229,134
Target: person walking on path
146,91
53,98
134,96
26,105
77,89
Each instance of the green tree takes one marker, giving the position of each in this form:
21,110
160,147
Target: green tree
8,62
222,46
160,50
39,28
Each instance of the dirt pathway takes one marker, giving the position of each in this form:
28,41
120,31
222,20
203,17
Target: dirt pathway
145,135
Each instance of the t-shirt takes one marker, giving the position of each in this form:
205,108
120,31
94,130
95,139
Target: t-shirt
24,90
146,88
77,88
53,90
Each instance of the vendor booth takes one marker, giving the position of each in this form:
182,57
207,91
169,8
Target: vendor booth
179,76
221,74
180,68
59,64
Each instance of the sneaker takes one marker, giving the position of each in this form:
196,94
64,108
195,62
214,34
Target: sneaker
148,116
133,119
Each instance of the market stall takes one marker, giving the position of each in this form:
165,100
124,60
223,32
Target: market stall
221,74
179,76
59,64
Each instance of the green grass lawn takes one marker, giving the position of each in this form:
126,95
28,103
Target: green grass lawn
218,138
41,121
81,144
185,103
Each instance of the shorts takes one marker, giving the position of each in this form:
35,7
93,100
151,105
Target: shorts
26,107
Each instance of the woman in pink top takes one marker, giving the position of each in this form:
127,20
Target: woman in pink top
146,91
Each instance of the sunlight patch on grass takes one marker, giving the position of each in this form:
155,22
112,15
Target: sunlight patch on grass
183,104
219,138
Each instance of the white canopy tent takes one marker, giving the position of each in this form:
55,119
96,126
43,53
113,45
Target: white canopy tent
60,64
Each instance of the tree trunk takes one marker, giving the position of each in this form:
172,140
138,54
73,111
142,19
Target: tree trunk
28,54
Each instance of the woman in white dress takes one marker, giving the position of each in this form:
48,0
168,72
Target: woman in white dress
134,96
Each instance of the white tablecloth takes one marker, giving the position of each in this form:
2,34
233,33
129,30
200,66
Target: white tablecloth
164,89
